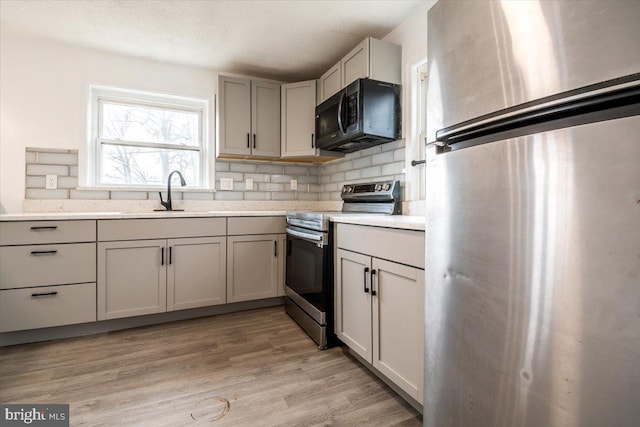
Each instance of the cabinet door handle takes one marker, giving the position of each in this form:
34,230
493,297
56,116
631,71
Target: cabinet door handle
170,254
275,248
248,141
162,256
373,276
312,144
366,270
41,228
254,140
53,252
44,294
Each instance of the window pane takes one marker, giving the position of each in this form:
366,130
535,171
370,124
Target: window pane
149,124
147,166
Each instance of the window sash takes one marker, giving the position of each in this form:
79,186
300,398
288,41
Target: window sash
115,96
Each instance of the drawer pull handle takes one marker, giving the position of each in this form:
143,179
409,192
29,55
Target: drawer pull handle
41,228
44,252
45,294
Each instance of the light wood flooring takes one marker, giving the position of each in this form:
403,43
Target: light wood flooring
252,368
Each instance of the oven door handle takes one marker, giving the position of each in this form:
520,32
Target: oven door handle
318,239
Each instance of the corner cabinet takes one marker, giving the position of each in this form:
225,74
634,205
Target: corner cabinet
372,58
255,250
249,117
156,269
380,301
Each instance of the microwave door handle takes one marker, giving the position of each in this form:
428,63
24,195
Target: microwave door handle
340,112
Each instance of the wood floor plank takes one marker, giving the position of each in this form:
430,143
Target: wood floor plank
248,368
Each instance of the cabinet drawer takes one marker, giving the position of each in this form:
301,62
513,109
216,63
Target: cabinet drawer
403,246
47,306
160,228
39,265
41,232
257,225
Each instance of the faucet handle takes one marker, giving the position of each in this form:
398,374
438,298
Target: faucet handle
162,202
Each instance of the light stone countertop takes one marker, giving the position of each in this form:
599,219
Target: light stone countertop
406,222
44,216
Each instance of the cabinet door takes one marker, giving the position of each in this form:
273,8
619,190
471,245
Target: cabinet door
398,324
252,267
356,64
132,278
330,83
298,119
265,119
196,272
353,301
234,110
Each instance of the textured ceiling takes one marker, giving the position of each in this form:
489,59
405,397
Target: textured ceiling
284,40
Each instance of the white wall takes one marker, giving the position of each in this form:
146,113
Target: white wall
44,98
412,35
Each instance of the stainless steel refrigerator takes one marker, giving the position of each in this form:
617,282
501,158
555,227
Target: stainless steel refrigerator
533,214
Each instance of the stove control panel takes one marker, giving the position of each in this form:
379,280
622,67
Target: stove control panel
373,191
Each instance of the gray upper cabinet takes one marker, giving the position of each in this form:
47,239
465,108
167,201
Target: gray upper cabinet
297,117
249,117
372,58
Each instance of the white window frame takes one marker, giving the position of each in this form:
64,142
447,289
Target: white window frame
98,95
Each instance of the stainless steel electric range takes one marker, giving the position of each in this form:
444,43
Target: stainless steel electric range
309,261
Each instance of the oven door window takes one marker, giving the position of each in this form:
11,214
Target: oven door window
305,274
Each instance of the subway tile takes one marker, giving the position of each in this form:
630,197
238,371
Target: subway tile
36,182
332,168
308,196
267,186
345,166
222,166
371,150
308,179
73,170
258,177
316,188
337,177
372,172
229,195
38,193
204,195
314,170
382,158
332,187
30,157
354,155
390,146
257,195
129,195
89,194
283,195
362,162
47,170
271,169
57,159
399,154
236,176
335,196
67,182
325,196
354,174
324,179
392,168
240,186
243,167
296,170
281,178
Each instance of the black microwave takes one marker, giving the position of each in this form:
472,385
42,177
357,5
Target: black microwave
364,114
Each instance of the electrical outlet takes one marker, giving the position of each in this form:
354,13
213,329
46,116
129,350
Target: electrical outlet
51,182
294,184
248,184
226,184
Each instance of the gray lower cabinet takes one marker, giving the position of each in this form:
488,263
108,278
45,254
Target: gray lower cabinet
379,303
153,276
253,267
47,274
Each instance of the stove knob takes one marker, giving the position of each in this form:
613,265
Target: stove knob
378,187
345,189
386,187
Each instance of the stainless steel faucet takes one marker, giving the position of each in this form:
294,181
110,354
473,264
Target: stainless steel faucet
167,204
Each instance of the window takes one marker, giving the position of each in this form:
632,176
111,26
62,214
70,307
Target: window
138,138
